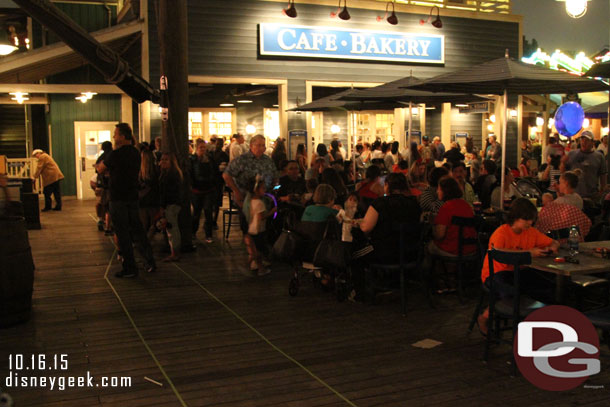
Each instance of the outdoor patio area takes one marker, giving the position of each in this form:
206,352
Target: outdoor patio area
214,334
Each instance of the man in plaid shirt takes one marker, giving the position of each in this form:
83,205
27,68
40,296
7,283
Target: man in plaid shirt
556,216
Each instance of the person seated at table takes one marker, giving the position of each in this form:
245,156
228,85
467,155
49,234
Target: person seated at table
402,166
331,177
371,188
510,191
339,166
307,198
317,166
323,208
428,200
518,235
552,172
524,167
418,175
547,199
568,181
459,173
292,186
485,183
453,155
446,235
555,216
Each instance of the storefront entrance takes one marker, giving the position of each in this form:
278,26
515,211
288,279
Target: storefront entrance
88,139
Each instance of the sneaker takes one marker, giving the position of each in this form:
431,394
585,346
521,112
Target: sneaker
126,274
108,232
57,209
45,210
264,271
208,240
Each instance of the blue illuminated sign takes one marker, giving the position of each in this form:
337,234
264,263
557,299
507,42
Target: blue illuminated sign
340,43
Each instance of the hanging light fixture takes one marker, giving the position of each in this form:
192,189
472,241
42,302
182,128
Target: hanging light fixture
392,19
436,23
290,11
20,97
576,8
344,14
6,46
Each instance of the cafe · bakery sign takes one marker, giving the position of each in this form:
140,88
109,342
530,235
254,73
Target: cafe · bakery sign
342,43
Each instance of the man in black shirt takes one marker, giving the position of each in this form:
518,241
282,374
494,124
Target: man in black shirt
123,165
292,186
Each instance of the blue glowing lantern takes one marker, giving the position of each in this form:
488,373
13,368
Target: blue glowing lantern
569,118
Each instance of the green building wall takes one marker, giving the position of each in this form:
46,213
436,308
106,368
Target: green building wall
64,110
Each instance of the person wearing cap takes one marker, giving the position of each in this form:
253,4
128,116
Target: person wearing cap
51,175
592,164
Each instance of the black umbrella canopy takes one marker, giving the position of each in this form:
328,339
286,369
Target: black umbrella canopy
514,77
400,91
601,70
598,111
333,102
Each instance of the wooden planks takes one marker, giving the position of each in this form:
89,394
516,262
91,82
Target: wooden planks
213,358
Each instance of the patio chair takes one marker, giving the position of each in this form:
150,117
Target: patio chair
403,266
227,215
514,308
462,259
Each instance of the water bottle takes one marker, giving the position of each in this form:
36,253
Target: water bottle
573,239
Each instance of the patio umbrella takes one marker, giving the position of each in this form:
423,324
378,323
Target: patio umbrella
600,70
505,75
399,91
598,111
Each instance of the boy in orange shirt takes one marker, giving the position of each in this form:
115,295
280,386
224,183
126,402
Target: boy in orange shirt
519,235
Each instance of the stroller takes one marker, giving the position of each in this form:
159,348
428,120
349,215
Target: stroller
305,238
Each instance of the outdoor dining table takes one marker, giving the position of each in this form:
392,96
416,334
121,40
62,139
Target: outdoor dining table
589,262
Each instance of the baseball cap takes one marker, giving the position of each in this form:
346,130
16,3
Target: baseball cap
587,134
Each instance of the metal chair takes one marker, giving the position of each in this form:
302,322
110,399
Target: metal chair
227,214
461,259
403,265
514,308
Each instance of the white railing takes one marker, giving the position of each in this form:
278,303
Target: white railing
23,168
483,6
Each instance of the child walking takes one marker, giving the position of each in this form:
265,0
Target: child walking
256,214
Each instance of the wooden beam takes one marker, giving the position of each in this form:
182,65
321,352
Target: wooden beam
51,52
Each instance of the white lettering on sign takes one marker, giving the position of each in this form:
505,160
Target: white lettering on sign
280,39
331,42
303,42
358,46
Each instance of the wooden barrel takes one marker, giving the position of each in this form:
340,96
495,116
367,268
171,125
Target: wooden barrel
16,271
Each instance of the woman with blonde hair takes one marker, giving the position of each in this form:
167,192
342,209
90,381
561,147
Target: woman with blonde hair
170,188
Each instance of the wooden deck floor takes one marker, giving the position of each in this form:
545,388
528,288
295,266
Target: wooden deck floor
214,335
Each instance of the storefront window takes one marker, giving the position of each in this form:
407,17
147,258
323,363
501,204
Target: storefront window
272,123
195,125
384,123
220,123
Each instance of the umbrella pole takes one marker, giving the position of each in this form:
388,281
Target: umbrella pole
408,138
503,164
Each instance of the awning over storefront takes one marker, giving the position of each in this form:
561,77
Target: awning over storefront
32,66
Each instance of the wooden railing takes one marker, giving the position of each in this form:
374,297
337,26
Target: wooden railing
23,168
483,6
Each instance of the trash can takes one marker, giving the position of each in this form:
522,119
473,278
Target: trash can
16,271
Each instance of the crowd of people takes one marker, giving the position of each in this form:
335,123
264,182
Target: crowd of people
369,193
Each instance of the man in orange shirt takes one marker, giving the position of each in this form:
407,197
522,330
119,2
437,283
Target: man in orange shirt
519,235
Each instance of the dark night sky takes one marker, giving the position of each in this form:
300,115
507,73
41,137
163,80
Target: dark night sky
548,23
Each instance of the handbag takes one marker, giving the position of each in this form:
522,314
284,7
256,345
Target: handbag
331,252
289,242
